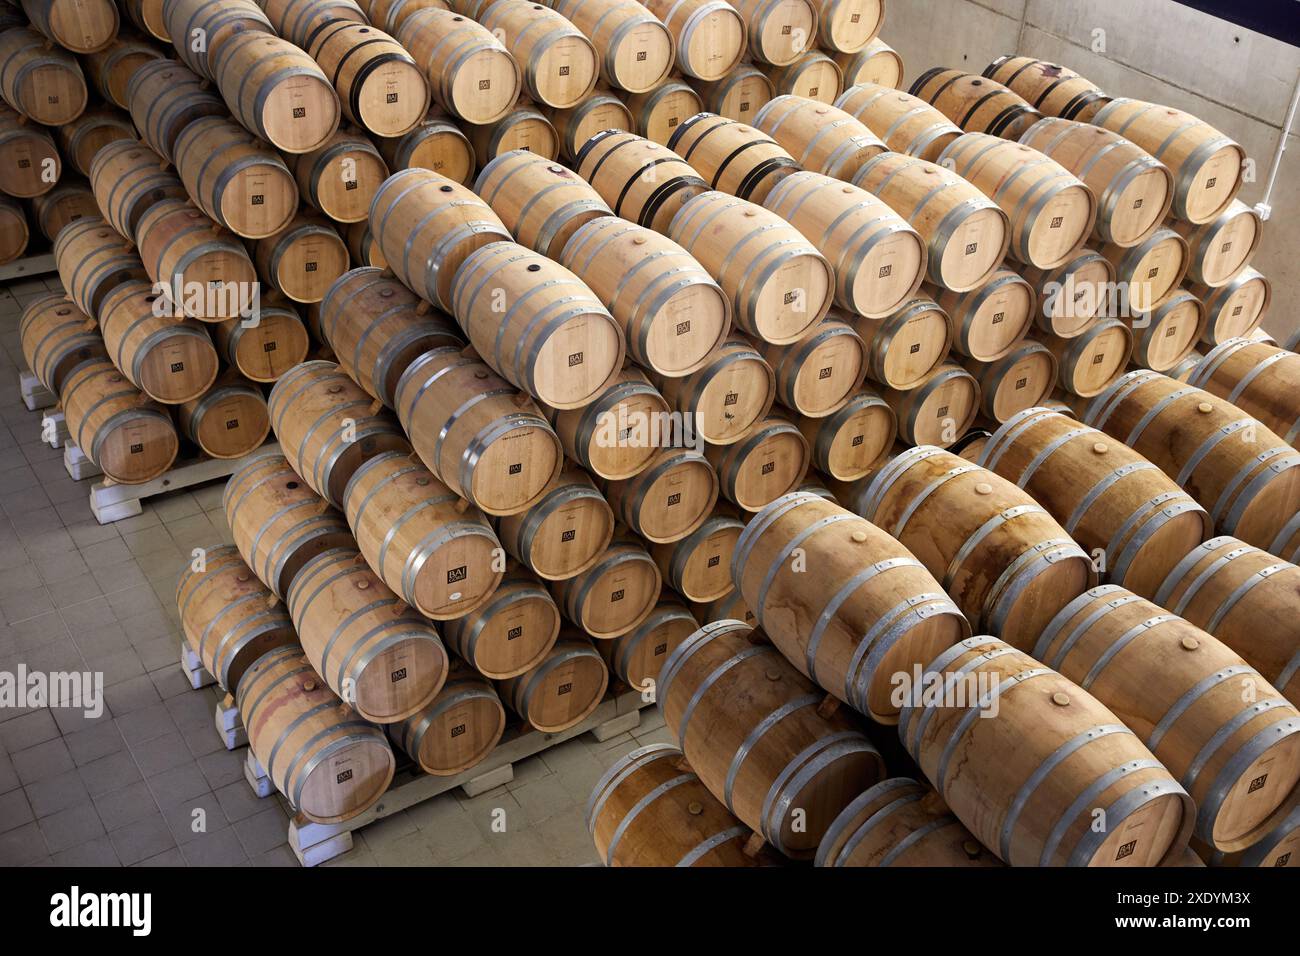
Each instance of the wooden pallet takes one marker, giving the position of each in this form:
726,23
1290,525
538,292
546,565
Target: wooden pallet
27,267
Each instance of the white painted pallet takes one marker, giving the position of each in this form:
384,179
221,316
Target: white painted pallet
79,467
35,395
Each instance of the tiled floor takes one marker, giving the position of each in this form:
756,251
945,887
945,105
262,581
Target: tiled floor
127,788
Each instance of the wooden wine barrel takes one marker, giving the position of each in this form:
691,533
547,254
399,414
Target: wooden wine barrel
170,360
130,437
377,327
710,36
656,113
302,21
229,420
617,434
900,822
522,128
731,156
28,157
990,321
128,179
303,259
1134,190
739,95
541,202
427,226
1089,362
1055,90
471,74
598,113
563,689
362,246
380,87
1051,211
848,25
341,178
565,533
442,559
1246,476
1220,249
1260,379
1150,270
391,14
939,410
779,32
816,375
907,123
1018,380
112,68
975,103
819,136
848,443
669,498
671,311
205,269
1167,334
560,66
13,230
814,76
39,80
761,743
698,566
93,260
510,634
278,522
877,64
234,178
164,97
615,594
56,337
1275,848
457,729
435,143
1235,309
1061,729
482,438
267,350
1206,165
228,617
641,181
326,428
732,389
1181,691
637,657
327,761
94,129
217,22
649,810
636,49
1071,296
904,348
729,608
1007,563
148,16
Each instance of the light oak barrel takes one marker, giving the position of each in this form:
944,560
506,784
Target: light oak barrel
1276,848
1219,250
217,22
457,729
1134,190
906,123
269,349
391,14
92,260
1033,803
329,763
658,112
869,609
1168,333
303,259
302,21
638,656
1206,164
620,431
441,559
900,822
698,566
524,127
170,359
541,202
636,49
729,608
779,31
816,375
228,617
484,439
559,65
235,178
128,179
672,312
1234,309
362,245
426,226
380,88
40,80
510,634
819,136
97,127
13,229
991,320
752,728
600,112
340,178
731,390
1260,379
1090,361
615,594
229,420
1246,476
565,532
1051,211
1072,295
732,157
739,95
1008,564
847,444
28,157
471,74
669,498
1183,370
563,689
1055,90
904,348
434,143
148,16
939,410
130,437
1110,499
1151,270
327,428
877,63
164,97
814,76
377,328
81,26
977,104
848,25
1018,380
709,35
1230,738
643,182
278,522
56,337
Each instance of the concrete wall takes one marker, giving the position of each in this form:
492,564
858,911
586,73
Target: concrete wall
1157,50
